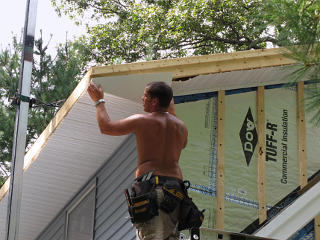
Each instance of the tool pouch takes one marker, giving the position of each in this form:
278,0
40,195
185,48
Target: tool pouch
143,207
143,202
173,195
190,216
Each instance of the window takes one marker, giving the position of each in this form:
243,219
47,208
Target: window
80,218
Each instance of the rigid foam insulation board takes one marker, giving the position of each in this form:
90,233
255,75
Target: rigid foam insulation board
198,161
312,133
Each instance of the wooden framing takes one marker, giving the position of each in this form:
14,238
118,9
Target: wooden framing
192,66
261,156
317,227
220,167
302,156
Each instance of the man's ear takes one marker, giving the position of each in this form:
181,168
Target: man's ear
155,102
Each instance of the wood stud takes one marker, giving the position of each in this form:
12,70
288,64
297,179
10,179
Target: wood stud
302,156
261,179
317,227
220,171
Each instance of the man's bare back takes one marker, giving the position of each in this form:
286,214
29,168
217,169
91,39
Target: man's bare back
160,140
160,135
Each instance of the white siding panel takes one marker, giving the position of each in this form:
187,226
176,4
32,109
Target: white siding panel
56,230
111,213
71,156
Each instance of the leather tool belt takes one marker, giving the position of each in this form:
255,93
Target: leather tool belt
142,200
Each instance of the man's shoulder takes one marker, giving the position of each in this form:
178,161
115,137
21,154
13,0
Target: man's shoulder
177,120
138,116
142,118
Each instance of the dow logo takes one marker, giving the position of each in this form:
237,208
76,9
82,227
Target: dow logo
248,136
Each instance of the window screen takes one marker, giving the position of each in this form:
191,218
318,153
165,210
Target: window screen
81,219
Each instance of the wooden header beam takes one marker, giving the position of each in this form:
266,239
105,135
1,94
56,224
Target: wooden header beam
192,66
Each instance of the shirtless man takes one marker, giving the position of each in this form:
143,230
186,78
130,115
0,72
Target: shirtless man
160,137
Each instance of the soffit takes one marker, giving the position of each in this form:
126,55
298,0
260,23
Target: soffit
71,156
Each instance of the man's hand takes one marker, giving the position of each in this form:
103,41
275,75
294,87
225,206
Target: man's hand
171,109
95,92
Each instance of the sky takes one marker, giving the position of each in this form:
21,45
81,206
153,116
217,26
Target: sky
12,16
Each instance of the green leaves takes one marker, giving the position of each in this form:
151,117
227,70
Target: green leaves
123,28
177,27
9,77
297,27
295,22
53,79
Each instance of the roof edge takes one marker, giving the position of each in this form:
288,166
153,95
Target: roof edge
41,141
207,64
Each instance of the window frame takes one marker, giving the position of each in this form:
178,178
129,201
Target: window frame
92,186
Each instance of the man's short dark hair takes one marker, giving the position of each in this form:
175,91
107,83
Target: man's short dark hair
162,91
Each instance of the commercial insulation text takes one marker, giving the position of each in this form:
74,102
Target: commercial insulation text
272,144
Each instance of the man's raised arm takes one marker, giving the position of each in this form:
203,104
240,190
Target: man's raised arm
106,126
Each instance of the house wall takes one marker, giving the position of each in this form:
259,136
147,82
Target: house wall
242,200
111,216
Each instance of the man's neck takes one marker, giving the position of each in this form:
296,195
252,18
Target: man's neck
160,110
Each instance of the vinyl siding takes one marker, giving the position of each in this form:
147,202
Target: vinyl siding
111,215
55,231
111,219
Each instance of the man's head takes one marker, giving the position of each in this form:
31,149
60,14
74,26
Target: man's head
157,93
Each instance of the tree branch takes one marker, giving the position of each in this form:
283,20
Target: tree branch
4,170
254,43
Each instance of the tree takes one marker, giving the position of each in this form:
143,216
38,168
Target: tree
141,29
297,28
9,77
53,79
154,29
